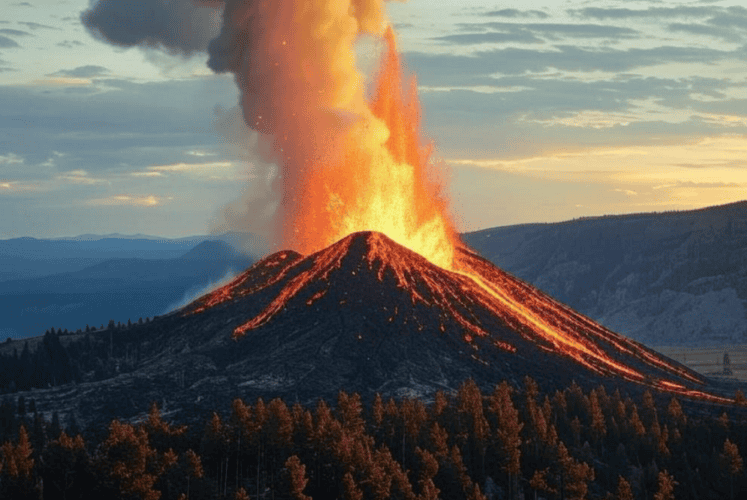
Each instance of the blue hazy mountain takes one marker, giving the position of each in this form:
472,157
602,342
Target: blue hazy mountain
30,257
121,288
659,278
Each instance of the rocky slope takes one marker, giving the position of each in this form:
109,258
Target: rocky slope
662,279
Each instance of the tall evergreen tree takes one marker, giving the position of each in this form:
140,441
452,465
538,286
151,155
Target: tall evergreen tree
731,463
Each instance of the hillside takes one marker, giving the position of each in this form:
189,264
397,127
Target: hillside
662,278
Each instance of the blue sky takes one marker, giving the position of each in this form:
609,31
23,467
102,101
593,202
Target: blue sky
542,112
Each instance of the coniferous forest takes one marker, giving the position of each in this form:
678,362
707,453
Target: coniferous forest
510,443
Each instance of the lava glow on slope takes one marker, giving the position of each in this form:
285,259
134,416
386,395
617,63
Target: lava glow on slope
462,299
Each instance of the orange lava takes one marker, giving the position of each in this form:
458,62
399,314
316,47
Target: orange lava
380,180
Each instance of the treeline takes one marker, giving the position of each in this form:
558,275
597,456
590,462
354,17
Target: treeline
87,355
469,446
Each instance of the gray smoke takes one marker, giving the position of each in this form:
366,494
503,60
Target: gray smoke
178,26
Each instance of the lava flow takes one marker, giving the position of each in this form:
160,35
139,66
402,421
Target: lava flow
490,313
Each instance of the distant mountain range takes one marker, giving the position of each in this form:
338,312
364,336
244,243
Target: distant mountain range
661,278
68,284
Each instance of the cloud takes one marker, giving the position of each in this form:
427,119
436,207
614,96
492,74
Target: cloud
36,26
516,35
212,170
705,30
178,26
11,187
80,177
477,68
22,4
627,192
515,13
69,44
7,43
130,200
6,31
530,32
11,159
698,185
81,72
623,13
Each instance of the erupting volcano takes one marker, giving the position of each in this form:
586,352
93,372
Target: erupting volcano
373,262
384,313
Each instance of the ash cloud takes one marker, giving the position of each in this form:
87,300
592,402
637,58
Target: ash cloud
179,26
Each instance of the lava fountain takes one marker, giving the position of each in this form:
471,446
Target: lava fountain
347,163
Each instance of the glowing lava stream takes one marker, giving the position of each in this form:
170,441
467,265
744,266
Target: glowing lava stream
558,339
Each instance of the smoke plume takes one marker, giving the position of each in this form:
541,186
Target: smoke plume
178,26
331,161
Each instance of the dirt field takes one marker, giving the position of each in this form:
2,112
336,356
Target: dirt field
709,360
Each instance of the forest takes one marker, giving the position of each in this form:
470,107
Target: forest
511,443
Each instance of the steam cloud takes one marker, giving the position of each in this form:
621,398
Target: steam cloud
179,26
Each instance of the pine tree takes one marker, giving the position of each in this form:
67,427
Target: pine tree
577,475
666,486
624,491
66,468
674,410
598,427
296,477
428,470
127,458
507,431
539,483
377,411
241,494
731,463
17,477
350,411
352,492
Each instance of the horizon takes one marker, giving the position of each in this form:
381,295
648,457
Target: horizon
235,231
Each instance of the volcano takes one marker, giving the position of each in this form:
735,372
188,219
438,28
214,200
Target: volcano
366,314
363,315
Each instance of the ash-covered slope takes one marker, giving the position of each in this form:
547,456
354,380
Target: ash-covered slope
364,315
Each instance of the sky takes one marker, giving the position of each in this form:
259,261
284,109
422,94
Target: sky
539,112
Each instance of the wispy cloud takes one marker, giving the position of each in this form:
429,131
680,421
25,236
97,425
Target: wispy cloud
7,31
7,43
624,13
214,170
10,187
69,44
37,26
516,13
627,192
699,185
130,200
88,71
80,177
11,159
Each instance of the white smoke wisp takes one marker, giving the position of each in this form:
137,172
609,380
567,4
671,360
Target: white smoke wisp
196,292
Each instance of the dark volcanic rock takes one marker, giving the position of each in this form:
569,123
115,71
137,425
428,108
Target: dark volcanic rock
364,315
